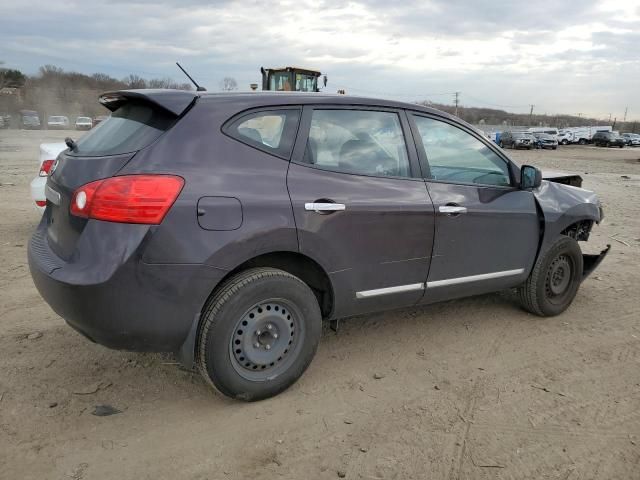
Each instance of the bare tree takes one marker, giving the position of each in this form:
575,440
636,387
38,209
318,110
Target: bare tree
228,84
135,81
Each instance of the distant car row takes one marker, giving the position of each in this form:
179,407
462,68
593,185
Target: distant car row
548,137
527,140
30,120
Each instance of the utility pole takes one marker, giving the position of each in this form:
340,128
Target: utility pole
626,109
609,118
531,115
456,101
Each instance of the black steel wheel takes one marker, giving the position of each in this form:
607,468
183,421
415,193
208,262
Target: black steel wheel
264,336
258,334
554,279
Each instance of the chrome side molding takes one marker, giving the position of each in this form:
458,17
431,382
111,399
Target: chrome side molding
474,278
389,290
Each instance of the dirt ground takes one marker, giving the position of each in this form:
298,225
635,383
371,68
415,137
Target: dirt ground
471,389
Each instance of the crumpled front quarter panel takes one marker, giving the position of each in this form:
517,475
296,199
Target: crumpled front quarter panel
562,206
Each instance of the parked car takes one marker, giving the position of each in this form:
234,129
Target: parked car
545,140
84,123
58,122
226,227
5,120
608,139
517,140
565,137
99,118
631,139
29,120
48,154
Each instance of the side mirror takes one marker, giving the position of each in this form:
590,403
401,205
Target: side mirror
530,177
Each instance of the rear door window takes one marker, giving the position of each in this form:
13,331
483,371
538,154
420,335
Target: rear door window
130,128
363,142
273,131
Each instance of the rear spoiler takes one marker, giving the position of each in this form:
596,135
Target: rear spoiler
173,101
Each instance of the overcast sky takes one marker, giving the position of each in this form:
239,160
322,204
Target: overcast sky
563,56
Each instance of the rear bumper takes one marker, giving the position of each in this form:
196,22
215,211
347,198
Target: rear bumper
37,191
128,305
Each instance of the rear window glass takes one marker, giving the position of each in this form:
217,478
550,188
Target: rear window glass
130,128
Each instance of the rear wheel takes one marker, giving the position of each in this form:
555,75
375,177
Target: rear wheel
259,332
582,141
554,280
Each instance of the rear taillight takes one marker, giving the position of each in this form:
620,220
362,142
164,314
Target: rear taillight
128,198
45,168
41,203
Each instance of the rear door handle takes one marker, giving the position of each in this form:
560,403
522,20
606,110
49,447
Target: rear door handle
324,207
452,209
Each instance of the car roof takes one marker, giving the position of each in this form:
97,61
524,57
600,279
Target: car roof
176,101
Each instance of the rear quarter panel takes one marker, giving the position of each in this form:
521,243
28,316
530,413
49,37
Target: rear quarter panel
215,165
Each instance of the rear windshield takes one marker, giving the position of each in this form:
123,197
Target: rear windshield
130,128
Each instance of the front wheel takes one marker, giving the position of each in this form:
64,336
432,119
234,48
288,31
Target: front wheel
259,333
501,144
554,280
582,141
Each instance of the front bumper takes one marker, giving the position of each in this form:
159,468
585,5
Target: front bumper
115,299
591,262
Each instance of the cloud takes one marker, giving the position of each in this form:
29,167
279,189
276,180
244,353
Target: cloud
498,51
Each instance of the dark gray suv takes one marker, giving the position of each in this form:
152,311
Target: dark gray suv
226,227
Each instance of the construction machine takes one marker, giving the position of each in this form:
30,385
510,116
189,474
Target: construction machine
291,79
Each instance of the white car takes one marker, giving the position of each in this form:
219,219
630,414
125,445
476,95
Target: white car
48,154
84,123
58,122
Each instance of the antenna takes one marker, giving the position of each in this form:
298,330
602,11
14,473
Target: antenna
198,87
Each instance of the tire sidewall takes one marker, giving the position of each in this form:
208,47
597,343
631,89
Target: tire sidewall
218,335
564,246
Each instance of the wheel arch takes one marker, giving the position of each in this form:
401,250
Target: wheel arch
302,266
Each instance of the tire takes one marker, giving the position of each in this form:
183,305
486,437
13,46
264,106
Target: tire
554,280
266,307
582,141
554,148
501,144
565,142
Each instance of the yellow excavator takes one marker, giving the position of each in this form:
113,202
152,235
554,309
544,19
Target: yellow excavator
291,79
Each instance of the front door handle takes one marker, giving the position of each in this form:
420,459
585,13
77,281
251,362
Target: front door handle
452,209
324,207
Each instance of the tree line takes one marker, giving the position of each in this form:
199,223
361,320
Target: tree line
54,91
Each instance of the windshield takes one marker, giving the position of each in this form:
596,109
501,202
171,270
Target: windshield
280,82
130,128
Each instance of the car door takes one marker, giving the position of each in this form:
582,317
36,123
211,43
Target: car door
361,207
487,229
